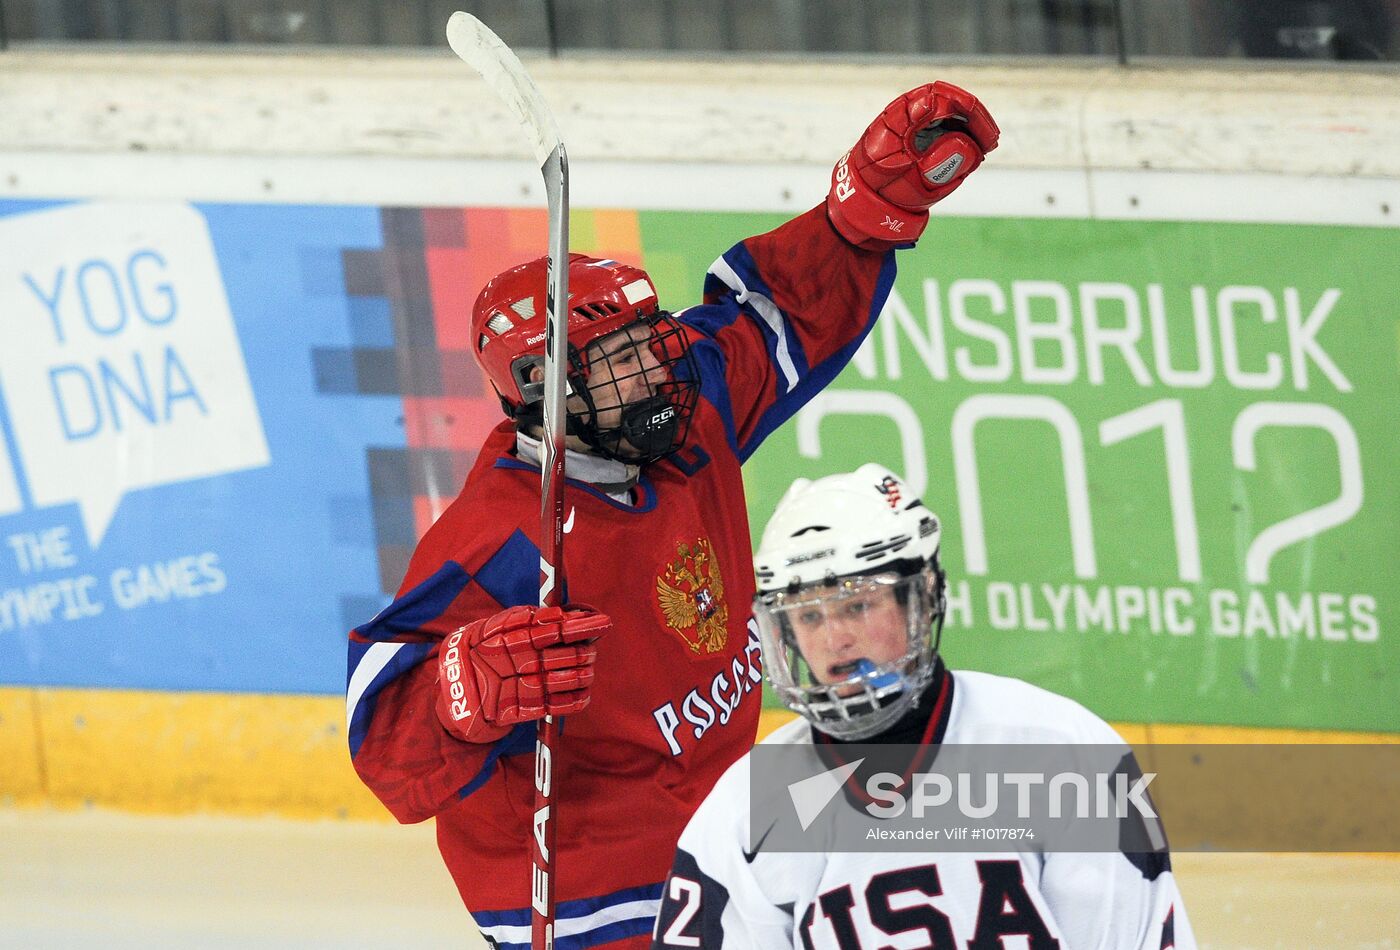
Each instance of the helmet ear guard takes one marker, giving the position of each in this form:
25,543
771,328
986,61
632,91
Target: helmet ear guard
532,390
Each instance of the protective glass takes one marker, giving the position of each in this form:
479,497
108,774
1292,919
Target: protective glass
852,654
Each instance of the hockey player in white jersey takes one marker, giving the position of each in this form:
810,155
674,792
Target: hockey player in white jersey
850,607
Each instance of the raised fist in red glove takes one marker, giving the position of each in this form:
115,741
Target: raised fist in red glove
914,154
520,664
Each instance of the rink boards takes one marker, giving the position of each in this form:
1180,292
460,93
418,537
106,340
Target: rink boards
1152,405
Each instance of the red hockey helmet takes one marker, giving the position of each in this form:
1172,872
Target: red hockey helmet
605,298
508,318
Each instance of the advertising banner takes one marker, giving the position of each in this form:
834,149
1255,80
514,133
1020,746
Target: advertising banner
1162,452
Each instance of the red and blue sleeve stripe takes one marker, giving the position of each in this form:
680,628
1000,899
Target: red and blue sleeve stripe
581,923
737,288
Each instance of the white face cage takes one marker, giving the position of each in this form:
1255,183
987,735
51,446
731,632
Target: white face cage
853,654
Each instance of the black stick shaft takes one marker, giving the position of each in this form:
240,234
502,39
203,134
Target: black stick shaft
551,27
1120,33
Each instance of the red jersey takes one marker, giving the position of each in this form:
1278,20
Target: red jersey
677,687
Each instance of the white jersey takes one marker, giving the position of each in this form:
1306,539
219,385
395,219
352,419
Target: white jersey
721,896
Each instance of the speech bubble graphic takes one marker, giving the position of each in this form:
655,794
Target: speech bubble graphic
119,360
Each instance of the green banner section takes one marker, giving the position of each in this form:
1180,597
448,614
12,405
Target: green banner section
1165,454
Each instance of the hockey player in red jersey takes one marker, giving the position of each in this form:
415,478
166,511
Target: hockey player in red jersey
654,663
850,606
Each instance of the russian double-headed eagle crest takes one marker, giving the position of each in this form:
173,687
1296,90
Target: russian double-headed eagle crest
691,595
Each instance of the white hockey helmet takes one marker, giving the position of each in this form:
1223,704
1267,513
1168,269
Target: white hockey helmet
850,600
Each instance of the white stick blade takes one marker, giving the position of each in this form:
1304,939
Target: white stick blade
481,49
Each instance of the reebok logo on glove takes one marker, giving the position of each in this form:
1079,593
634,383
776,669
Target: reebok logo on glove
515,666
844,188
452,672
944,173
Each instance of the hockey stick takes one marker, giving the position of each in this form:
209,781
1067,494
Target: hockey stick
483,50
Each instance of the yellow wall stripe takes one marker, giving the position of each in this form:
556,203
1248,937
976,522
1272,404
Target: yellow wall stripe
174,753
21,777
252,754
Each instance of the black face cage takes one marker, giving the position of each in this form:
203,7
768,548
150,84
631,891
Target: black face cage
650,427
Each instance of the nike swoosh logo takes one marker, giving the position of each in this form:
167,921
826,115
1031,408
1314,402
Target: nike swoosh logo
569,521
750,855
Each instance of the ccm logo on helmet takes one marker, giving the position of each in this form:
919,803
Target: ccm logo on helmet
844,188
452,669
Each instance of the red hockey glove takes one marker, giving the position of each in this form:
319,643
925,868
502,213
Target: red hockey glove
520,664
914,154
